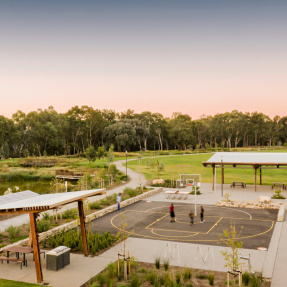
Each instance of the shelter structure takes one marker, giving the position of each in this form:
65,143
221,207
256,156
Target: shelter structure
255,160
33,203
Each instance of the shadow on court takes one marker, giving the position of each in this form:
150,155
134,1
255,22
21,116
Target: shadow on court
152,220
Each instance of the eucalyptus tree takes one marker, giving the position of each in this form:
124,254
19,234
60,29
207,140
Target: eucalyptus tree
282,133
181,131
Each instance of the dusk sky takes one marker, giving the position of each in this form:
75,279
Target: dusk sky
194,57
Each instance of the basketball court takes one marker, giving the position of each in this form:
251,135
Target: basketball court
147,219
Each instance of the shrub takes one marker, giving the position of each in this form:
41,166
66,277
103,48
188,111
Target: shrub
157,263
151,277
69,214
177,277
210,278
166,264
142,270
168,282
201,276
95,205
13,231
47,216
245,278
101,279
134,281
186,275
43,225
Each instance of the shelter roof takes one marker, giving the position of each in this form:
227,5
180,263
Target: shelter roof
40,202
248,158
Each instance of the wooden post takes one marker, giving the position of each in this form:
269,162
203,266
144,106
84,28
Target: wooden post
83,227
118,263
213,176
30,241
255,179
260,176
228,275
130,272
125,267
240,274
33,227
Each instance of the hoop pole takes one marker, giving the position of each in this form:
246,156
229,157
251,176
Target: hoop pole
195,213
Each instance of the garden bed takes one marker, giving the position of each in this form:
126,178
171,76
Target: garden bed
147,274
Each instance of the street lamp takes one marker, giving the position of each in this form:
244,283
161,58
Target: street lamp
126,165
221,177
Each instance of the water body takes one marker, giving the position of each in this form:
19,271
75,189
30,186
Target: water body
37,186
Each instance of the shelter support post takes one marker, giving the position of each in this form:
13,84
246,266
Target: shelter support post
34,232
255,178
260,176
213,176
83,227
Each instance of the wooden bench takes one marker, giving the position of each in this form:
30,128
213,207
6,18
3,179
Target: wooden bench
238,183
279,184
2,258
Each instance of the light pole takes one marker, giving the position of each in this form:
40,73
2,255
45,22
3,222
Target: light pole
221,177
126,165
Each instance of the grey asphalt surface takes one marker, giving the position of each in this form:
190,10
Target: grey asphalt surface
152,220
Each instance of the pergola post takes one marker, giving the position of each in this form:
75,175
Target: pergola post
83,227
213,176
255,178
34,232
260,176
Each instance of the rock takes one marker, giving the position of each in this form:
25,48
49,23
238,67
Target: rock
158,180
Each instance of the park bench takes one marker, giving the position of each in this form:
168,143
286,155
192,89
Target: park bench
238,183
176,194
18,260
279,184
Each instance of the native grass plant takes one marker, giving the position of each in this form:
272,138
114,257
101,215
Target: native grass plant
166,264
157,262
57,185
187,274
278,194
13,231
43,225
73,240
210,278
227,196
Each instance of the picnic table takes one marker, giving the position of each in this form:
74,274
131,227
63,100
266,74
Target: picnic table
21,249
279,184
238,183
176,194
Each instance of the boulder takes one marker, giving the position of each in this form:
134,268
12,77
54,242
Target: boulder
158,180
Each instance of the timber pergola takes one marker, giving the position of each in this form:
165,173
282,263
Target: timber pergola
33,203
255,160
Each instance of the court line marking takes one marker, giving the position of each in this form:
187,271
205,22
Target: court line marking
250,216
172,239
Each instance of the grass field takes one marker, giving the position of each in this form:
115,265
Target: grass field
191,164
10,283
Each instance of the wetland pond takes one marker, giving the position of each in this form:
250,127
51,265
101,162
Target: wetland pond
38,186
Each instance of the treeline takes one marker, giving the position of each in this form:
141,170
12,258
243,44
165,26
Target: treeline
46,132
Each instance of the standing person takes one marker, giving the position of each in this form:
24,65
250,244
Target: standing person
201,214
119,199
171,211
191,215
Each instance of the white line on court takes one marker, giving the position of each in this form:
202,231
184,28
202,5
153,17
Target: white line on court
250,216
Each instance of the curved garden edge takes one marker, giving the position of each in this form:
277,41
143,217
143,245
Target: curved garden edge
89,217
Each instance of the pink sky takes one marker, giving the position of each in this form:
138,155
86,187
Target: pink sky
196,59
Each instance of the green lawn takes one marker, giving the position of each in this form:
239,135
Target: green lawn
191,164
9,283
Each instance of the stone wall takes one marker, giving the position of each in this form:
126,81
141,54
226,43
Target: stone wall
89,217
248,204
